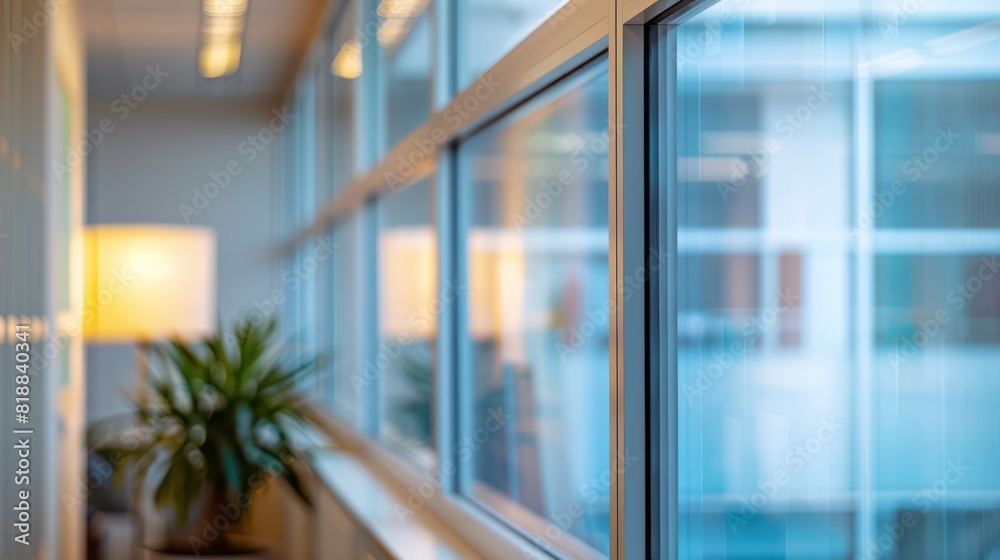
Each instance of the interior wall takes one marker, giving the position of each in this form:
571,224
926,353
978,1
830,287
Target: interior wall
201,162
41,90
65,180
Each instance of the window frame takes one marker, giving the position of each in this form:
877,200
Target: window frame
648,32
572,35
642,368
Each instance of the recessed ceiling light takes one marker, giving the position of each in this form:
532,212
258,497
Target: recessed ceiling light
223,23
224,7
219,59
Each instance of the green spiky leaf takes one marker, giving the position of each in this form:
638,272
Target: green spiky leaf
200,420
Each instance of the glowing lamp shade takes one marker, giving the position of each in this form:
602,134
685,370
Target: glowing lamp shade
148,282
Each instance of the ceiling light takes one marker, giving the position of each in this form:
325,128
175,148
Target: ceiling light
347,63
223,23
222,30
224,7
219,59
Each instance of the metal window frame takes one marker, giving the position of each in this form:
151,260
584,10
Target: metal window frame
644,388
642,368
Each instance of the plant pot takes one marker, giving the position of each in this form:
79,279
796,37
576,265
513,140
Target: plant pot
212,528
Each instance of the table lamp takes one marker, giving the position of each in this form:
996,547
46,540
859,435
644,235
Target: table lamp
144,283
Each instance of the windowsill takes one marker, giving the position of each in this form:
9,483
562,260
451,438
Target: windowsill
374,506
374,487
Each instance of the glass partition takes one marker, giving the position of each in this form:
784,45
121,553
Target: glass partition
535,204
346,388
408,309
340,78
404,35
838,321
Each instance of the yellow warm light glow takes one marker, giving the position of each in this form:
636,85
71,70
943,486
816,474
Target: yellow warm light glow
219,59
222,29
224,7
401,8
221,37
148,282
347,63
409,287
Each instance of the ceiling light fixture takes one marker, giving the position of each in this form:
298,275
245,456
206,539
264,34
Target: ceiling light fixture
347,63
223,23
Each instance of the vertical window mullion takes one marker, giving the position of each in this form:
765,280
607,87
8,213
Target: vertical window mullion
367,128
369,317
369,100
446,381
465,391
307,303
449,294
664,55
635,268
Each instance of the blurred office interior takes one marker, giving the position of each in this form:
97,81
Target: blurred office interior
629,279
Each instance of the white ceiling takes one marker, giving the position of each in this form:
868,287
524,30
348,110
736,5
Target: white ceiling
126,36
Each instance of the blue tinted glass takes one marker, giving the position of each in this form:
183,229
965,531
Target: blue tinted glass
339,78
405,38
345,388
488,29
838,322
536,187
408,309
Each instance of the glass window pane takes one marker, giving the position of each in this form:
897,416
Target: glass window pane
489,29
914,113
837,331
290,223
407,303
339,79
304,299
345,390
405,37
536,188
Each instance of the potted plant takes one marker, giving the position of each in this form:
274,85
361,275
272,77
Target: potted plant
211,431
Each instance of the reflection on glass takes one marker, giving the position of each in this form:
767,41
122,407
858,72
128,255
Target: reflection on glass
405,37
407,319
344,392
537,189
339,79
838,320
488,29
